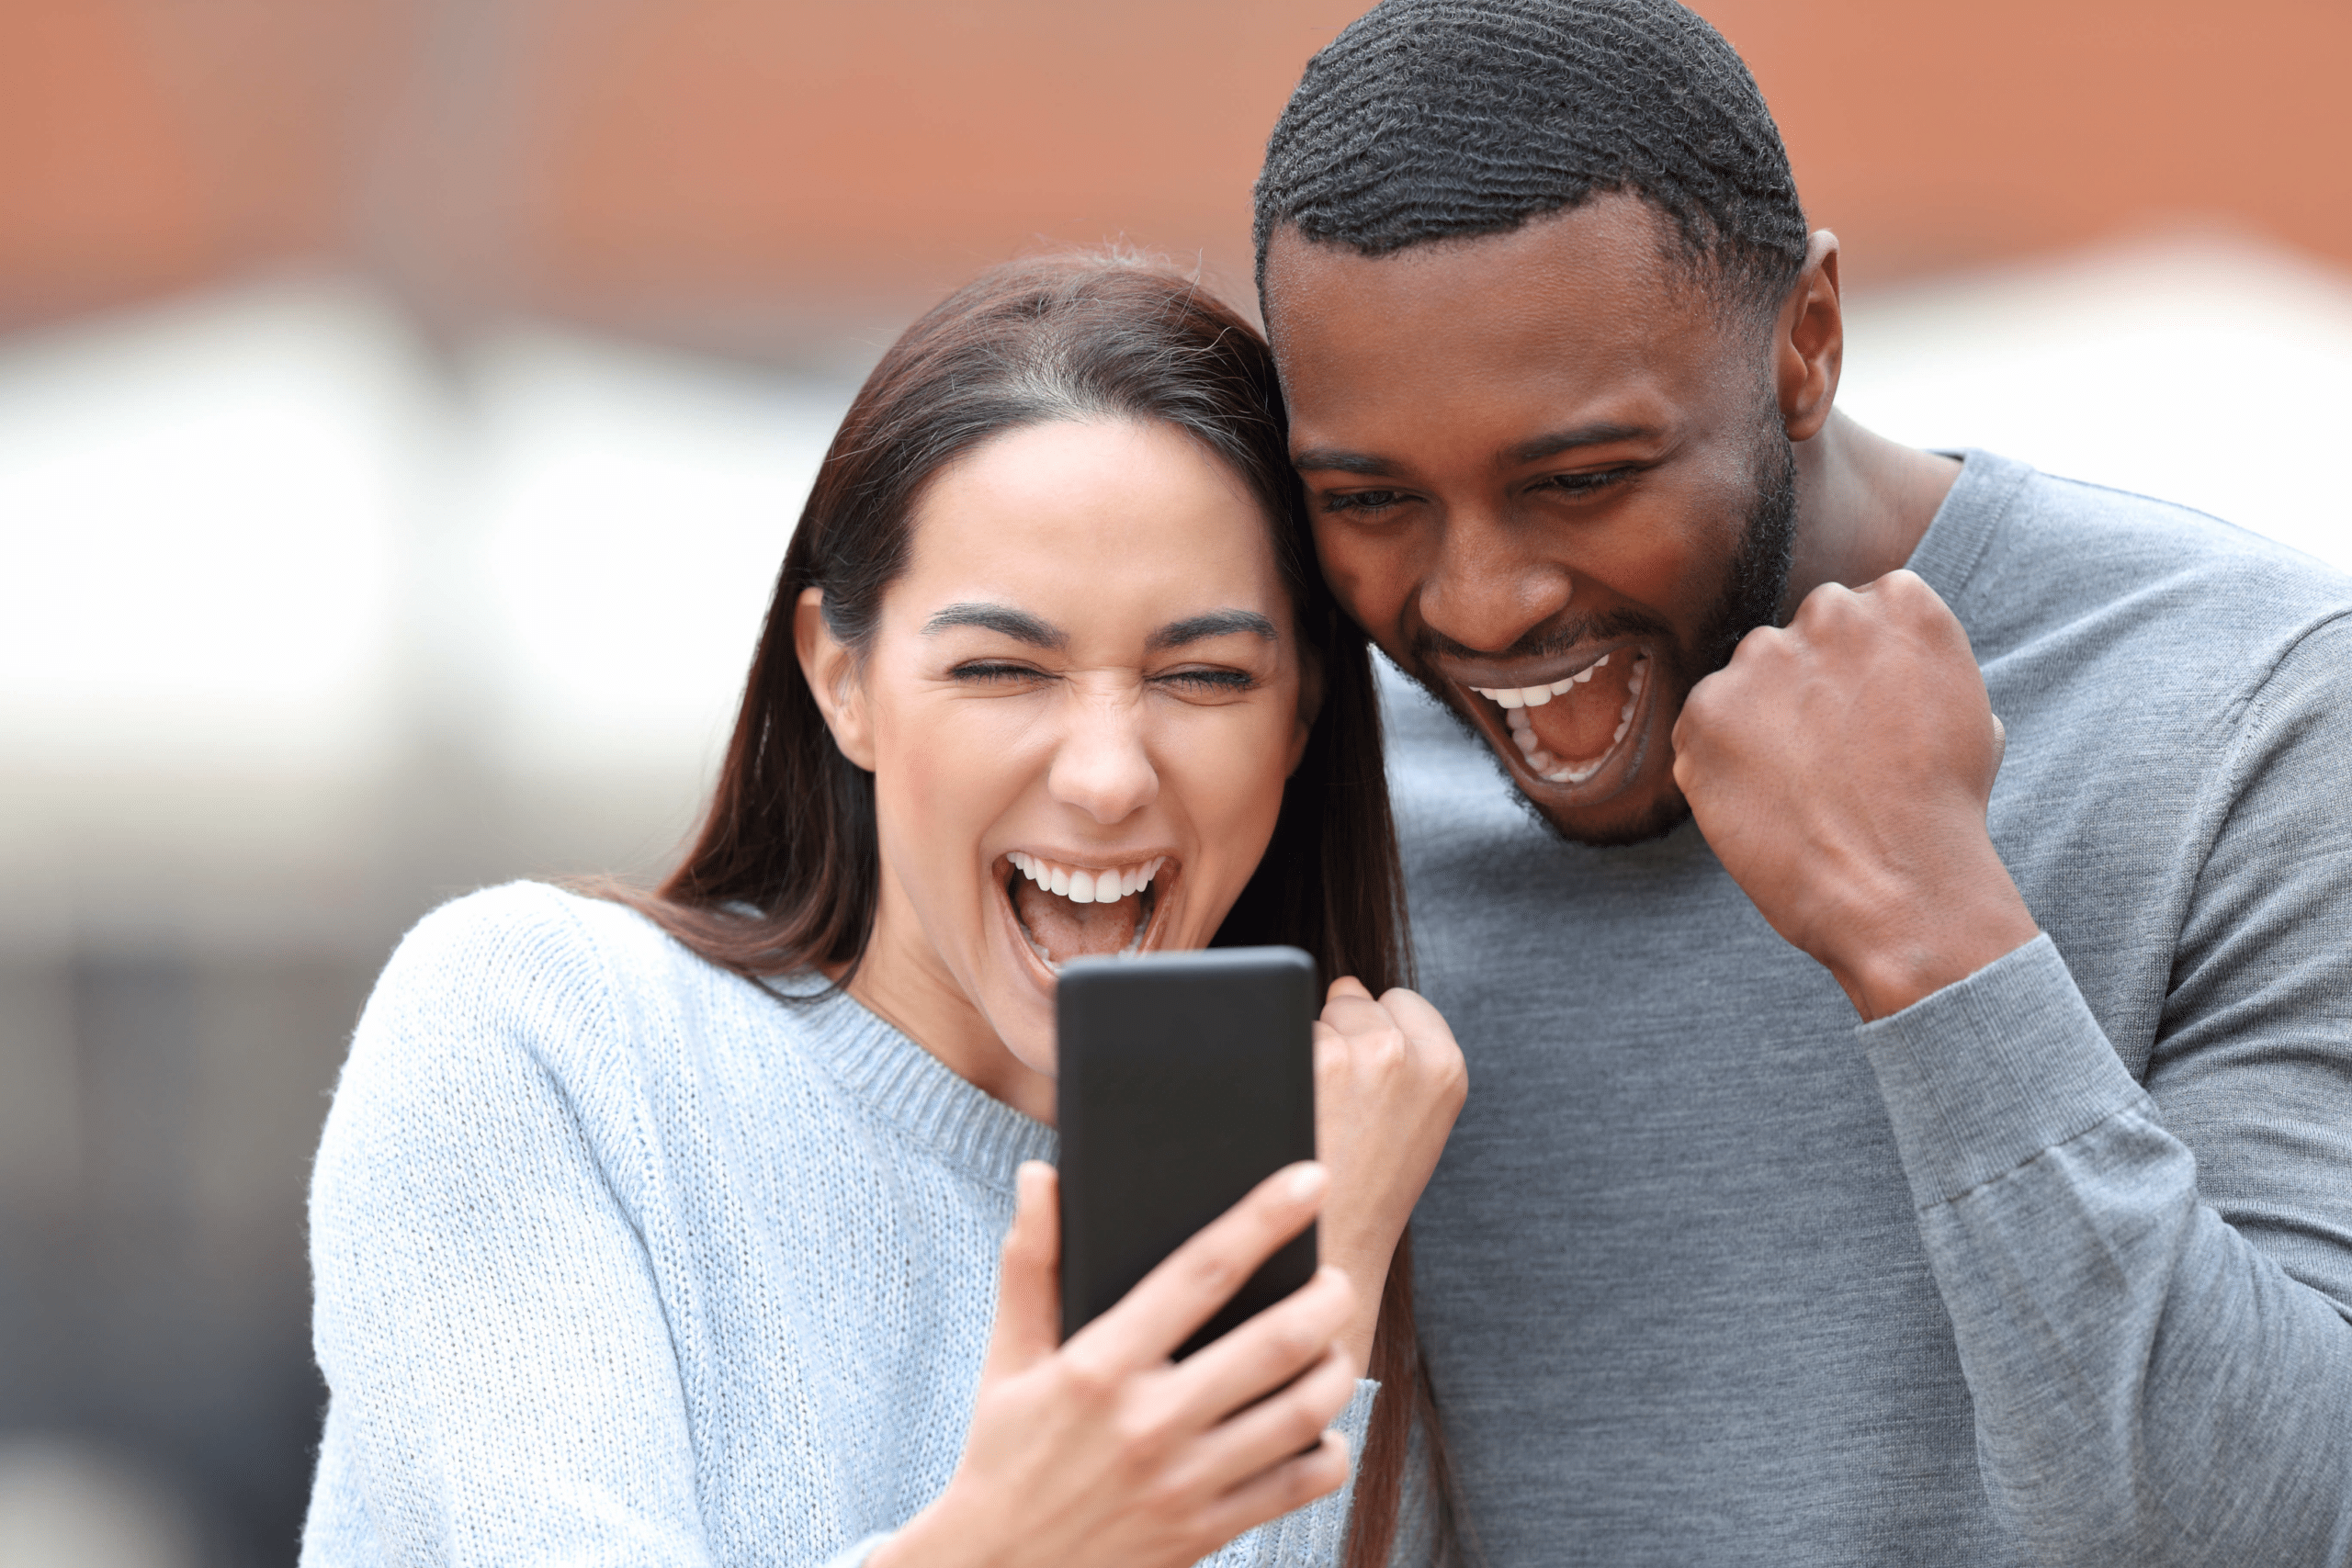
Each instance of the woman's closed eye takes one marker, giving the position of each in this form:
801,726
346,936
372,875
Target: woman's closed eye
994,670
1217,681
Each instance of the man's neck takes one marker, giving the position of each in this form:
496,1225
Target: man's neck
1862,504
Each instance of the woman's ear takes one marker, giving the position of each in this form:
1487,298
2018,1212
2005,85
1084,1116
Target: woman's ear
831,670
1310,702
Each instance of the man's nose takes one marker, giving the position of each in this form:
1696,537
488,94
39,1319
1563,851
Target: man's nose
1492,583
1102,766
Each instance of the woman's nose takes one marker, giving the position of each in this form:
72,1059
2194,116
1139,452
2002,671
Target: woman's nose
1102,766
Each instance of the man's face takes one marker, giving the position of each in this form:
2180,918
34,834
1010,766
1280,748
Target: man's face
1548,476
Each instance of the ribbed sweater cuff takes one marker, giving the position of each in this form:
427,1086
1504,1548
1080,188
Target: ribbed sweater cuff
1987,1073
1355,1418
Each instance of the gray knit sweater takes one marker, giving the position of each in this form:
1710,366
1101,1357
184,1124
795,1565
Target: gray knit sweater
621,1259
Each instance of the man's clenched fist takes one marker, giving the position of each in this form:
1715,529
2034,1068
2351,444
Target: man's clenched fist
1840,769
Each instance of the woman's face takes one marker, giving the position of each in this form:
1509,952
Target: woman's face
1079,707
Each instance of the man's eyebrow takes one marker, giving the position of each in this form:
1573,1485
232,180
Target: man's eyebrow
1337,460
1216,623
1601,433
1018,625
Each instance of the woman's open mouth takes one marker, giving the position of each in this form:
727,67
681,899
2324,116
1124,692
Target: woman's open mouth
1571,731
1065,912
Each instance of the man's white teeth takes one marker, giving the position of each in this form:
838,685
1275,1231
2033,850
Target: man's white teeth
1524,733
1082,884
1515,700
1536,696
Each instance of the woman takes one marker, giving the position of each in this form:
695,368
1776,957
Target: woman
663,1229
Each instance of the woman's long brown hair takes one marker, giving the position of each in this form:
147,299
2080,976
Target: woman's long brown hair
783,874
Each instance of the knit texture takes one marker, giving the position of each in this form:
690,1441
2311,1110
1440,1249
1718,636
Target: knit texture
622,1260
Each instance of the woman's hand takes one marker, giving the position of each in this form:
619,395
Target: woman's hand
1388,1083
1102,1450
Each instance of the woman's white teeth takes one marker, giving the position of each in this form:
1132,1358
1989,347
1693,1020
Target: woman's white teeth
1082,884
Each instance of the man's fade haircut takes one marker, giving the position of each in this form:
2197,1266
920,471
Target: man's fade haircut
1436,119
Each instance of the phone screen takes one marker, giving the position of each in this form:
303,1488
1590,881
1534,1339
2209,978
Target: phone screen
1184,1080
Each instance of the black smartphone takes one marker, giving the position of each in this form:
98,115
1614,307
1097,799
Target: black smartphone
1184,1080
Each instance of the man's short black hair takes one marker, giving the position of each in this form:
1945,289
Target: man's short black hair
1430,119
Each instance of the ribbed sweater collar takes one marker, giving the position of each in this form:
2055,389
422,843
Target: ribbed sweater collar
913,1090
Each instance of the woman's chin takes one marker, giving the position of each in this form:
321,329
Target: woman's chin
1016,994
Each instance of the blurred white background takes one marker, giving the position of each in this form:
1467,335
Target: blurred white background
272,547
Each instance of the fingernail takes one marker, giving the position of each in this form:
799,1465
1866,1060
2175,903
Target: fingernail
1306,1182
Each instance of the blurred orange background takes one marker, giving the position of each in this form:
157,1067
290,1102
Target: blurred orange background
785,178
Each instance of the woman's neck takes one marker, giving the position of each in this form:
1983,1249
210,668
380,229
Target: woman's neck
901,981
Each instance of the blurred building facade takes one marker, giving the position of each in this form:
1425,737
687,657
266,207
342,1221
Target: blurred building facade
404,405
785,176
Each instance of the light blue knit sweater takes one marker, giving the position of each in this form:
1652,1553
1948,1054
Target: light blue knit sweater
622,1260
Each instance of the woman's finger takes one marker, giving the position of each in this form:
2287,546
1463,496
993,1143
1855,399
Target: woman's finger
1028,1297
1347,985
1358,1014
1415,1015
1266,1352
1189,1285
1274,1429
1293,1484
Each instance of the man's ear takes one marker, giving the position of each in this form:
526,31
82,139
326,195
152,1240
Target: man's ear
1310,702
831,670
1809,342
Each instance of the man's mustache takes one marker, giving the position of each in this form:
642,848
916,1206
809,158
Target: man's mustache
1428,645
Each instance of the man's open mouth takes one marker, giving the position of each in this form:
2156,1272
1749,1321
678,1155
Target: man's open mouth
1067,911
1569,729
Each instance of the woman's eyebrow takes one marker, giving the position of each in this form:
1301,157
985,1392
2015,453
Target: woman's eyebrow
1018,625
1216,623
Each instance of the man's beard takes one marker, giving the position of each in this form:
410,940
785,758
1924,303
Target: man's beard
1755,581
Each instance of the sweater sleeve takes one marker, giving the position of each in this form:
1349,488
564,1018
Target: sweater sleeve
503,1388
2150,1287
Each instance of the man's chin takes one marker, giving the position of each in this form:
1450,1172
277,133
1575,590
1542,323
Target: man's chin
1613,826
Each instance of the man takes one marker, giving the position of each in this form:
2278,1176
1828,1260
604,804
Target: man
1878,1149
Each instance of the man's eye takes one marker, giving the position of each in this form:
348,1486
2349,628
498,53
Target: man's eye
1360,500
1585,484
